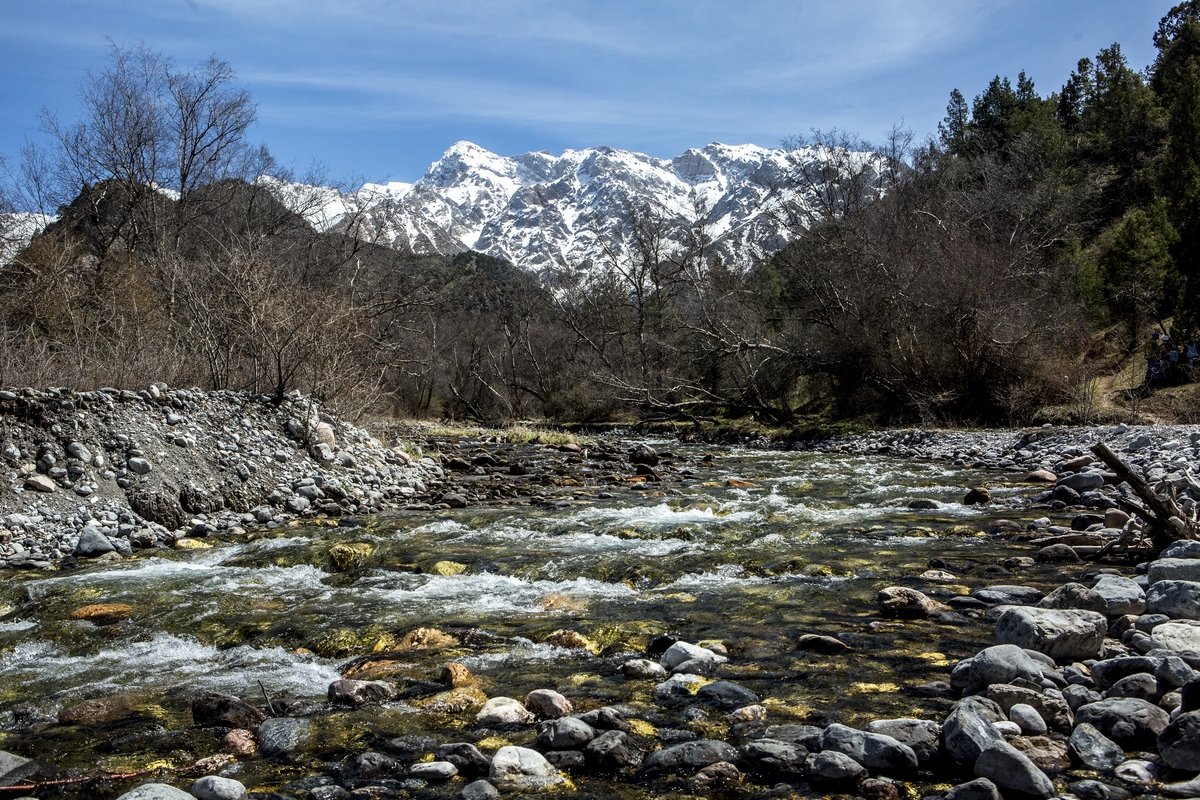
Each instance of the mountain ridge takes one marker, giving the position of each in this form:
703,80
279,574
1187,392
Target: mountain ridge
563,215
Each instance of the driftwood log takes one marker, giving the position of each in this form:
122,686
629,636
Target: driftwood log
1165,521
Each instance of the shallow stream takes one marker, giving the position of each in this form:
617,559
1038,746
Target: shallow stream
804,549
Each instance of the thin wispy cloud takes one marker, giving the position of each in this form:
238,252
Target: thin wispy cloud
383,86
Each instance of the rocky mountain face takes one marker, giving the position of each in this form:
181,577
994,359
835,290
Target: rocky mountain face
562,216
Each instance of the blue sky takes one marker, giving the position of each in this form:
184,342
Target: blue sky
377,89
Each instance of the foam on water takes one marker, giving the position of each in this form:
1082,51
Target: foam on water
661,515
489,593
200,575
164,661
523,651
580,543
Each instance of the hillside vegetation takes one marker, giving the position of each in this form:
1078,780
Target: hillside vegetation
1008,270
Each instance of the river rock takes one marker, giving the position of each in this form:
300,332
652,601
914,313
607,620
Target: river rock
1003,594
1107,672
677,689
1093,749
214,787
923,736
519,768
643,669
1173,569
1121,595
726,694
978,789
1139,685
1127,721
817,643
1002,663
280,737
1179,742
568,733
1082,481
225,711
833,767
903,603
15,768
547,704
1074,596
1052,708
1180,637
1184,548
479,790
1176,599
92,543
1058,553
1029,720
681,652
689,755
1009,768
872,750
1090,789
1060,634
356,693
772,758
503,711
156,791
968,729
606,718
613,751
433,771
466,757
716,777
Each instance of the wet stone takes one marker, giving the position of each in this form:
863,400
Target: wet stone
280,737
689,756
1093,749
833,767
214,787
613,751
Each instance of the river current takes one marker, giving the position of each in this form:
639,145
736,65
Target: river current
753,550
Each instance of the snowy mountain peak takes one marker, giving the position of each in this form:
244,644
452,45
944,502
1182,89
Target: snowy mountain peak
561,214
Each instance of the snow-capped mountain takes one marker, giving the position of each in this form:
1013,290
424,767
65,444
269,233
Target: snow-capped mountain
556,215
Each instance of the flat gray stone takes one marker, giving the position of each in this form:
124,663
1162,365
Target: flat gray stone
1060,634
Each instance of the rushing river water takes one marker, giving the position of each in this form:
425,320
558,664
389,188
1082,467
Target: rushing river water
802,550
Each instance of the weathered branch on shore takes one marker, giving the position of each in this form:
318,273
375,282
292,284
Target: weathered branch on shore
1166,521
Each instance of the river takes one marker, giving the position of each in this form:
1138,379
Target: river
752,550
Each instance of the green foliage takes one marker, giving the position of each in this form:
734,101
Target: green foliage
1137,266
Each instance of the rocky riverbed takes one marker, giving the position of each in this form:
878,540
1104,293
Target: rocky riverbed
1066,677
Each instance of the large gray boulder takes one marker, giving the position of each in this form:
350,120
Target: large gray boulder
1009,768
968,729
1176,599
568,733
1121,595
922,735
1002,663
690,756
1128,721
1179,743
1173,569
1093,749
875,751
1059,633
1181,637
772,758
